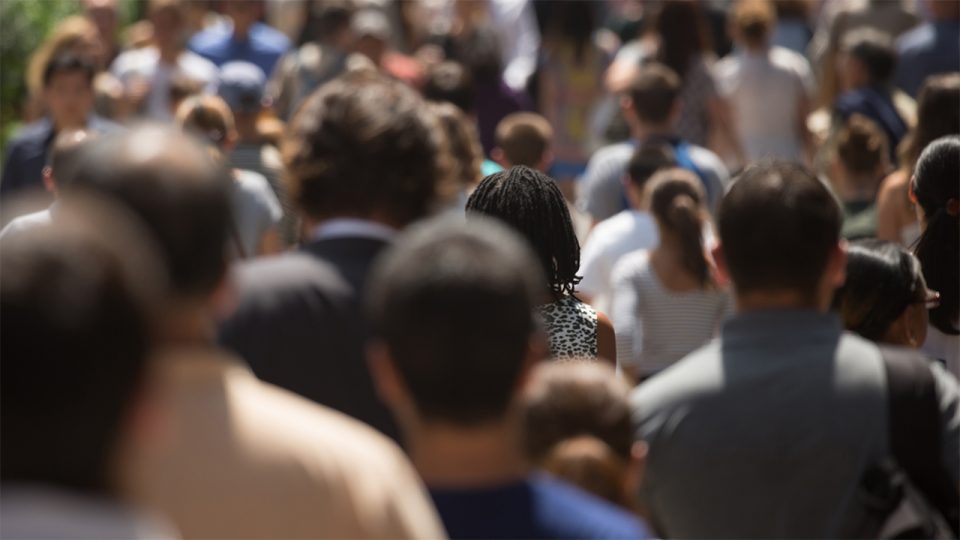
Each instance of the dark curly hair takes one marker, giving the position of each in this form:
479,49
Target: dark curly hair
361,144
530,202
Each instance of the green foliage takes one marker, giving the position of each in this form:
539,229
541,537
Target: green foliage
23,26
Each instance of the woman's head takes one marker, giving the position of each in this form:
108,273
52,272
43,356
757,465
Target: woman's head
462,142
209,118
530,202
936,190
938,115
884,298
683,34
676,199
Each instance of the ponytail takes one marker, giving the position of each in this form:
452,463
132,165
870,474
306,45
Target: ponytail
677,200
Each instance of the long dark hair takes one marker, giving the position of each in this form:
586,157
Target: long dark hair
530,202
883,279
571,22
677,201
938,114
683,33
936,185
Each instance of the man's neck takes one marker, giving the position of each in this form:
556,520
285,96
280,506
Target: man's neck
777,301
169,54
241,33
642,132
449,456
187,323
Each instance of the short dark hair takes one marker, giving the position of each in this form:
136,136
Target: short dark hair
364,143
936,186
649,158
65,154
76,306
449,82
778,224
170,181
883,279
569,399
531,203
68,63
654,91
453,302
875,50
524,138
479,51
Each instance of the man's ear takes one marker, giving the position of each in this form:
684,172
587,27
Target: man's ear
720,260
48,181
837,265
223,300
386,379
626,105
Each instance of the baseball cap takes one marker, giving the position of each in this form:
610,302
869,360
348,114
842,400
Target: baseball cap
242,86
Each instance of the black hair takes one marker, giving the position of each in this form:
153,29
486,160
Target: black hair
453,303
936,184
172,183
76,306
530,202
450,82
68,63
677,201
778,224
875,50
883,279
654,91
648,159
479,51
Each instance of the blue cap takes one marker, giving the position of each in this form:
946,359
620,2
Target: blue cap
242,86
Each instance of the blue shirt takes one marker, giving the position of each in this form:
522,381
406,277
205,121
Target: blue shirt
263,47
929,49
27,154
537,507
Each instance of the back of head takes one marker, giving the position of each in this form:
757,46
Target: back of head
208,118
862,147
181,194
654,93
76,305
677,202
564,400
364,145
65,154
648,159
590,464
463,143
480,52
778,224
936,185
883,279
682,29
754,20
450,82
524,138
453,304
874,50
532,204
938,115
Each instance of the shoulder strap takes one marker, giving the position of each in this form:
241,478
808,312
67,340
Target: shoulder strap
681,152
914,428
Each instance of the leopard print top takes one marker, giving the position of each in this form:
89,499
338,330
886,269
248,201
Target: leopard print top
571,326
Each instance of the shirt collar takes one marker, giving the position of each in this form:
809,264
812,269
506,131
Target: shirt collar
352,227
780,325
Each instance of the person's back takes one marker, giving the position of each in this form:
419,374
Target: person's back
930,48
768,431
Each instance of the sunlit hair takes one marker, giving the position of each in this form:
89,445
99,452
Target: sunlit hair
70,35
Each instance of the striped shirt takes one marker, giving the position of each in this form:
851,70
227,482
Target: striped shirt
655,326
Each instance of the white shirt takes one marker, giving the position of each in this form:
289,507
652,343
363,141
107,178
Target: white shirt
145,64
764,90
25,223
611,239
347,227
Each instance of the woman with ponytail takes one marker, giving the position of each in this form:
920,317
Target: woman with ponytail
936,191
666,301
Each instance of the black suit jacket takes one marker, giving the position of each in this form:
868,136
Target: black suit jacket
300,325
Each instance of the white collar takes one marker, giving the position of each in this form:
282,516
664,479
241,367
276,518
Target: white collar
344,227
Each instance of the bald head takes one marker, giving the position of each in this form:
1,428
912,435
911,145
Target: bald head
169,180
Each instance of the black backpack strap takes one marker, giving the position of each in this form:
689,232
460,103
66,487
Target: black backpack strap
914,428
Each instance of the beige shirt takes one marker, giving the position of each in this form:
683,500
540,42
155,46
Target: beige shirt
244,458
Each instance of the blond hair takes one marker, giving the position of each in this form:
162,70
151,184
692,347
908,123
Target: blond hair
68,34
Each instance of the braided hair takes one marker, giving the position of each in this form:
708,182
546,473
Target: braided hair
530,202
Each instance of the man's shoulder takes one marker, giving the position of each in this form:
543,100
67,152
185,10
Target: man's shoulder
25,223
697,374
288,274
916,40
613,153
31,134
576,513
269,38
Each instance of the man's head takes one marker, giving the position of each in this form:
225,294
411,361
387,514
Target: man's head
242,86
68,90
169,23
172,183
861,157
103,14
243,14
780,238
367,147
63,158
523,139
333,23
752,23
649,158
450,82
452,310
77,301
869,59
653,99
371,28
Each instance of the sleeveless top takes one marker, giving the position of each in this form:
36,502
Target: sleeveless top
571,326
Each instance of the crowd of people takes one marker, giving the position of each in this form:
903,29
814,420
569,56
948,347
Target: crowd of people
313,269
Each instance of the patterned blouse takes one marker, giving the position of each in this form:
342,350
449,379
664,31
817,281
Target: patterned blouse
571,326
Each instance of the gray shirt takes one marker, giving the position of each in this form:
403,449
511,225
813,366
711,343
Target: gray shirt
601,187
765,432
